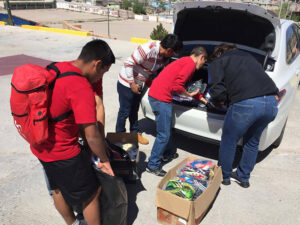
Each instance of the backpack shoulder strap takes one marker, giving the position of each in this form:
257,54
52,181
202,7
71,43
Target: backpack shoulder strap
52,66
68,74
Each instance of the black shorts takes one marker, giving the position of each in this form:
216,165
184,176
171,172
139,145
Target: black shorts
74,177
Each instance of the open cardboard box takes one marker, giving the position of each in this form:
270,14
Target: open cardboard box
174,210
123,168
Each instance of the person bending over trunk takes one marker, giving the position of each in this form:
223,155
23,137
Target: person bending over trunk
171,80
238,78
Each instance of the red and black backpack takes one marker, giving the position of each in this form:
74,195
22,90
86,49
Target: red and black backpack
31,91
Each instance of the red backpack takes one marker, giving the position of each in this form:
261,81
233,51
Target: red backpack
30,97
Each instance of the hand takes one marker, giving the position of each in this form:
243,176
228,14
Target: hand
135,88
204,100
106,168
148,83
191,94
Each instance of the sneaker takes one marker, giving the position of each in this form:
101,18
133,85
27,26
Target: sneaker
142,140
235,177
170,158
226,182
158,172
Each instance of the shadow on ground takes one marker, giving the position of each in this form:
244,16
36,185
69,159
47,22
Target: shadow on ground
133,189
147,126
197,147
188,144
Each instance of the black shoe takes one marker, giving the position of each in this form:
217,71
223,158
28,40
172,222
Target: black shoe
237,180
226,182
158,172
170,158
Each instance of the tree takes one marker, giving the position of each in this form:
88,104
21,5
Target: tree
162,5
158,33
126,4
285,12
10,20
138,8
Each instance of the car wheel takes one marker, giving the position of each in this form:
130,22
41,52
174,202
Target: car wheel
279,139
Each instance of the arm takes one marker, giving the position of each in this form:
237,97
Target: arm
82,101
100,114
191,94
138,56
96,143
203,100
217,87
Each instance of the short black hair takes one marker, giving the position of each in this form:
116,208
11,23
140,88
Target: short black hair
97,50
171,41
199,50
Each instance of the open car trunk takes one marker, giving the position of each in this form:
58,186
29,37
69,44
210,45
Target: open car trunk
199,80
209,24
237,23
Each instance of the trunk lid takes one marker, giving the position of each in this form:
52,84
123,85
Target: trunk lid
237,23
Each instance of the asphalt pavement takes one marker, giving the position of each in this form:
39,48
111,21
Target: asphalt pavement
273,198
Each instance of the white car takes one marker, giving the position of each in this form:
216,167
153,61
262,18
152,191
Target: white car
274,42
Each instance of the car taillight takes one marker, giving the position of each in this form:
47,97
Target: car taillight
281,95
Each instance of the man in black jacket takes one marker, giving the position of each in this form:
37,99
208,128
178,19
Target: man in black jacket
237,77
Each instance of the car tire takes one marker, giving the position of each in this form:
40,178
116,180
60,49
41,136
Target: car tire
279,139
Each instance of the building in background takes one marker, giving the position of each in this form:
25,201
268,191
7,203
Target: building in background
29,4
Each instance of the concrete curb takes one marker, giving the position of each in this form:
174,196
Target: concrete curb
72,27
139,40
57,30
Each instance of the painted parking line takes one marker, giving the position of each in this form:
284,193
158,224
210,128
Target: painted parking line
139,40
57,30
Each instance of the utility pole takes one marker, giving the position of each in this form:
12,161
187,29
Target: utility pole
10,20
287,9
280,9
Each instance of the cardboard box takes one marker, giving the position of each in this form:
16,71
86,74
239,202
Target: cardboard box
173,210
123,168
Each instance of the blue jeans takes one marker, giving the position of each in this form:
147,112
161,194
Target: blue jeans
247,119
129,107
163,145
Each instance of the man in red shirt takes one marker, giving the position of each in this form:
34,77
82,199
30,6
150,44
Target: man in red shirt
100,115
171,80
69,168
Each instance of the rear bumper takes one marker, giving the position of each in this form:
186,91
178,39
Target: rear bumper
207,126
